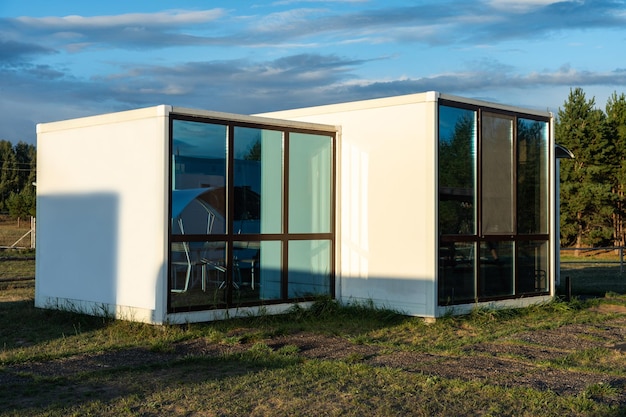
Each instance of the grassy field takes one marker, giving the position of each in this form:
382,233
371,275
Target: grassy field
13,231
594,273
550,360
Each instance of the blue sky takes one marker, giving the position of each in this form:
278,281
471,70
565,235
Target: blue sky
62,59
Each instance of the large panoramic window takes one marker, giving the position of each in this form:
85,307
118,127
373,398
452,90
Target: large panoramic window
493,204
251,214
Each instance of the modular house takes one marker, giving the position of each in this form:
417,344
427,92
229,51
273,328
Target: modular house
428,204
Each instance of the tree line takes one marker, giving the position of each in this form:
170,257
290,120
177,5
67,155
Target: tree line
593,185
593,204
17,178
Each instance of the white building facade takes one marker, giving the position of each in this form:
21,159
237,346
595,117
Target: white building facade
427,204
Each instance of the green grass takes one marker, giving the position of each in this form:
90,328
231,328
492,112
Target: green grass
261,380
252,376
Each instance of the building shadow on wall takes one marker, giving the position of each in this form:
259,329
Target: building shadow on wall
77,249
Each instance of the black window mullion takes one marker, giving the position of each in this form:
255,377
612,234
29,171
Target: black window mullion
514,174
284,288
230,210
478,199
333,176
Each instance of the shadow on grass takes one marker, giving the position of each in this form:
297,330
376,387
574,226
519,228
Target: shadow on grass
591,279
23,325
101,382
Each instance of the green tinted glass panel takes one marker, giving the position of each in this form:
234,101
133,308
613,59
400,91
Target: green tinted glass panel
258,184
270,270
309,268
310,187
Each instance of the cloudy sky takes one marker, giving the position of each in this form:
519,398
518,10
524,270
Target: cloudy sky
62,59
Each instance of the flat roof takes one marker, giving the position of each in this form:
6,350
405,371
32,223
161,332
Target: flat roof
167,110
428,96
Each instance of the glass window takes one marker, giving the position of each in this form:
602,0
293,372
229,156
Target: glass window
310,186
270,270
457,265
198,274
457,171
229,243
309,268
258,181
497,174
496,209
198,178
532,177
496,269
532,259
256,271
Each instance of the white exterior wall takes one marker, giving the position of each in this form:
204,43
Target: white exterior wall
102,214
387,200
102,191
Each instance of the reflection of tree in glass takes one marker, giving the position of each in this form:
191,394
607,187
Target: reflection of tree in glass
531,145
254,152
456,178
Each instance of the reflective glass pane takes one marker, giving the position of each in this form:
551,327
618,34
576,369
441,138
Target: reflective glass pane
532,177
497,173
457,171
258,156
310,187
309,268
256,271
532,267
197,274
270,271
457,263
496,269
198,178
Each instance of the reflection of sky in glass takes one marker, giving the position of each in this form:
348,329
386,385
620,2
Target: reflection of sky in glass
448,118
200,140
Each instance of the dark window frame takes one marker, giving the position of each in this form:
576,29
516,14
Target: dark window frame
229,236
477,237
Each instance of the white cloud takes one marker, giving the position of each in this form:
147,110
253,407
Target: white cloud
519,6
170,17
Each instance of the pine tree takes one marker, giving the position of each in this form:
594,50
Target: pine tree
8,172
616,120
587,200
17,175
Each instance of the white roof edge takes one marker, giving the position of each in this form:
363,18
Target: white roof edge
357,105
493,105
428,96
100,119
164,110
255,119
